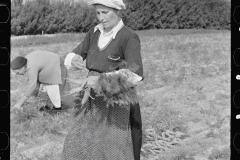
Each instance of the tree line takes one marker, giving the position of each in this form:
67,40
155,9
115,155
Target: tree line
48,17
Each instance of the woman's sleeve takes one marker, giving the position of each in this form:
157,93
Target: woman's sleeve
82,48
132,55
33,85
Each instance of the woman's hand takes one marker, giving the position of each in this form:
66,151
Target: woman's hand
88,83
19,104
77,62
92,80
16,106
74,90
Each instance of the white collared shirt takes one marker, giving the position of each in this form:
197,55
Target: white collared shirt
105,39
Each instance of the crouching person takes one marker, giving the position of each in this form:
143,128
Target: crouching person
48,70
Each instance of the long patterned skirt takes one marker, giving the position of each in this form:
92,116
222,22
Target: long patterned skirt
100,133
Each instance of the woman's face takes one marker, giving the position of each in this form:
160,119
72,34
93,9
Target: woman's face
107,16
21,71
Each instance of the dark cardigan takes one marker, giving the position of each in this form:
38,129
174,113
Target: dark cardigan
125,47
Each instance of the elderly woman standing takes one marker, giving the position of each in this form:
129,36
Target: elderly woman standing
108,126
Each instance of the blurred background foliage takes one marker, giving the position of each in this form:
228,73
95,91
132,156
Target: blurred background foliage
51,16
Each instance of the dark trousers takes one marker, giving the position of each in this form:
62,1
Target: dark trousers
136,129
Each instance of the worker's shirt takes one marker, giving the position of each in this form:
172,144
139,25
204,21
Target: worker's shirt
105,53
42,67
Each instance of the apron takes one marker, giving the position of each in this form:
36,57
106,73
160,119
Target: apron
101,131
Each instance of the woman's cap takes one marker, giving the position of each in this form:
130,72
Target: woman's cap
18,62
116,4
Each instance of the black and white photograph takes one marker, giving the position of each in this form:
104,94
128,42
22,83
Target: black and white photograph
120,80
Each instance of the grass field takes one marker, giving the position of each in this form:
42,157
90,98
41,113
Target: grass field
185,97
